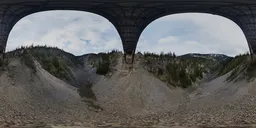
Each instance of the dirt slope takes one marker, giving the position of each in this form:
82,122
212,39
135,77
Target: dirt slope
27,96
127,97
135,93
139,93
218,103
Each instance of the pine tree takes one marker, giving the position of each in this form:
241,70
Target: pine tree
174,55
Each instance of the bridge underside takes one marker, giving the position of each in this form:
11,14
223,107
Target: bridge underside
130,17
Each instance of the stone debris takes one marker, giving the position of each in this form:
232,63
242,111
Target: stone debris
138,99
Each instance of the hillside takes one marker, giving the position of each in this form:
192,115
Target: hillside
78,71
182,71
213,57
28,96
101,90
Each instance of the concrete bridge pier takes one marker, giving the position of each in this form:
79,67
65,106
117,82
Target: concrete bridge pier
129,58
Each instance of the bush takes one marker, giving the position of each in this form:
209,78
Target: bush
56,67
184,79
193,77
231,64
1,62
103,66
162,55
103,69
28,60
234,74
160,71
251,70
177,75
86,91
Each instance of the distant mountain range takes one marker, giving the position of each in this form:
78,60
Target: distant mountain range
217,57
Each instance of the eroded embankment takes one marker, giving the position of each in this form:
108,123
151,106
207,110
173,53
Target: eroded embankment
127,97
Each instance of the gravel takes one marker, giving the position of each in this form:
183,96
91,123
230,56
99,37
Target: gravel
132,99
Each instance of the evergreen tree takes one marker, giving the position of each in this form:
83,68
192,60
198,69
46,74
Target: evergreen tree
174,55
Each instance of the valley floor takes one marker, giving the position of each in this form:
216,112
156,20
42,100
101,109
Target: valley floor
135,98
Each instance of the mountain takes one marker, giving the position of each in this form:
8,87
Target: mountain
48,87
182,70
216,57
74,70
79,71
30,94
82,70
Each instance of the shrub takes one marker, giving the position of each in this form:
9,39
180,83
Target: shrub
251,70
230,64
52,59
184,79
86,91
233,74
28,60
1,62
177,75
193,77
103,68
94,105
198,73
160,71
56,67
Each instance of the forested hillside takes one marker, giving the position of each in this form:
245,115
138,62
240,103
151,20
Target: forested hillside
183,70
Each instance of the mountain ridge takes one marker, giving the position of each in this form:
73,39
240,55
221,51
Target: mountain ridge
127,95
218,57
71,68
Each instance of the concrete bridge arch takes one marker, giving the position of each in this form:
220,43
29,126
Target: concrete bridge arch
130,17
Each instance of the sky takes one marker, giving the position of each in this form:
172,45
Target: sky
83,32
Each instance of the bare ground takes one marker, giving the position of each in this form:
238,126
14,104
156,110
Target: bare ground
28,97
128,98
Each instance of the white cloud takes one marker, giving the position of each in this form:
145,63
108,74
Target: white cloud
203,33
56,28
168,39
171,44
82,32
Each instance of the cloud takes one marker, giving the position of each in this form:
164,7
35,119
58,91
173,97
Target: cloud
175,44
194,32
168,39
74,31
82,32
